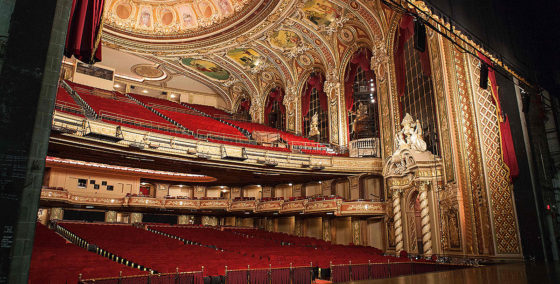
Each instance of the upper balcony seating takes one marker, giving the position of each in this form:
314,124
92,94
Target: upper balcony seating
210,110
204,125
65,103
54,260
114,107
158,103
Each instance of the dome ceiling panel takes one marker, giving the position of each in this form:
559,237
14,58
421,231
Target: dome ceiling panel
245,45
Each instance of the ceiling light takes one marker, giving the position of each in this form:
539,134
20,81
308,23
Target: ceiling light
145,91
329,213
289,184
172,95
117,86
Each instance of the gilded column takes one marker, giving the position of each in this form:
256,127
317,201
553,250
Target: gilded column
425,217
397,219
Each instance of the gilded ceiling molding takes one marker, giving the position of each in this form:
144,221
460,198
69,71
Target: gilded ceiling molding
236,71
176,66
320,44
282,66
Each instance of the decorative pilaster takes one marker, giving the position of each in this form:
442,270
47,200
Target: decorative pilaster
356,232
326,229
397,219
299,227
332,89
425,217
290,102
185,219
56,214
135,218
380,64
110,216
256,110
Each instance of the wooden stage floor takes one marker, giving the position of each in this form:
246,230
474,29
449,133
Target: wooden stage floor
513,273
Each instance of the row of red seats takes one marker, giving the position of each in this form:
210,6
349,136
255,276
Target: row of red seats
209,110
158,252
54,260
202,124
65,103
280,250
123,111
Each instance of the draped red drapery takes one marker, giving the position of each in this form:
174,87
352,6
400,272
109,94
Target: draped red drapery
275,95
83,39
405,32
245,105
508,150
315,81
258,276
360,59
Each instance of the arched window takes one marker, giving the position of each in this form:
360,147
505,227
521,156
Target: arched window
361,97
314,102
414,83
275,112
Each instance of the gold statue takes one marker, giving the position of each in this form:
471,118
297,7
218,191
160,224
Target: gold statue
314,128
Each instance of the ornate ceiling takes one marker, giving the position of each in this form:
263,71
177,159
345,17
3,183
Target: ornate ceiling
246,47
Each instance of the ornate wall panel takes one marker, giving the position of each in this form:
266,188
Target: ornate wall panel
497,173
477,199
455,86
441,104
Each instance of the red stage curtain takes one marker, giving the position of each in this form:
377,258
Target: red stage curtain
508,150
83,39
280,276
258,276
406,31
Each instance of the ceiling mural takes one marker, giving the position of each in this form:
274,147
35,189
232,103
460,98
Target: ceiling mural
240,44
161,17
320,12
246,57
207,68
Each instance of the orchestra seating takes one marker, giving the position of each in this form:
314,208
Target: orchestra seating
188,248
54,260
276,249
158,252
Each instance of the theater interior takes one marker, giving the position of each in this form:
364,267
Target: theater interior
255,141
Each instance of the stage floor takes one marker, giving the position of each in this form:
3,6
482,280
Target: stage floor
516,273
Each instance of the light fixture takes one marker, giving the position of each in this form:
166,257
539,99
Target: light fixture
145,91
117,86
172,96
289,184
